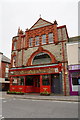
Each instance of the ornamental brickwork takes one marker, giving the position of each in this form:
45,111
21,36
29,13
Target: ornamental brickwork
23,52
25,47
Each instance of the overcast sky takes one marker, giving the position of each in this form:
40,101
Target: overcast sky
24,13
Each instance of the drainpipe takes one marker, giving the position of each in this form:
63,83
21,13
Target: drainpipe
63,54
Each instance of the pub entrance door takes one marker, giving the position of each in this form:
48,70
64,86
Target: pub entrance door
33,83
56,84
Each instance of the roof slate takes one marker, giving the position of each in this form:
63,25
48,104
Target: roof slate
74,39
5,59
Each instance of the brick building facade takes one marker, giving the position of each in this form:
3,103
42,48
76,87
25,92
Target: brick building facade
39,59
4,72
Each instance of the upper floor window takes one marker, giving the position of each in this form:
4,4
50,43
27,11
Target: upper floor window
15,45
6,71
30,42
14,61
37,40
22,43
50,37
43,39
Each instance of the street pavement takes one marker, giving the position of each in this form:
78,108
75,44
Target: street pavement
30,108
36,106
37,96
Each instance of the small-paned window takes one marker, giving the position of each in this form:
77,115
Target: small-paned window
14,80
75,81
21,80
15,45
43,39
50,37
30,42
37,40
76,78
45,80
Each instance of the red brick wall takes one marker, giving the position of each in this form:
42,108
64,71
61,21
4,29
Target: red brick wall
40,31
23,40
34,33
3,65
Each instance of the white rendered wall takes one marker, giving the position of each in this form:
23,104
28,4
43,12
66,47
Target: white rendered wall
73,53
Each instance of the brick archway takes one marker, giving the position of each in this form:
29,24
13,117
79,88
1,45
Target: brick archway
39,50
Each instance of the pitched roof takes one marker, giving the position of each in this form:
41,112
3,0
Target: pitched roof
74,39
5,59
40,23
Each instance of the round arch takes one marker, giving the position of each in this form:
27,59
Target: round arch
41,50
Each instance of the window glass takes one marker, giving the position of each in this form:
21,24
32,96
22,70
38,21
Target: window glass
14,61
50,37
21,80
79,81
15,45
74,81
14,81
43,39
29,80
6,75
30,42
76,78
37,40
41,58
45,79
6,71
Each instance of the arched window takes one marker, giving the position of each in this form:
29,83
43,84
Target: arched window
41,58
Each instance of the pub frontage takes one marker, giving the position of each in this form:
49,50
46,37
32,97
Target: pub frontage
39,59
39,79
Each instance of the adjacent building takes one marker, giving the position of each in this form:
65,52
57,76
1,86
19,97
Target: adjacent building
4,72
39,59
73,51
